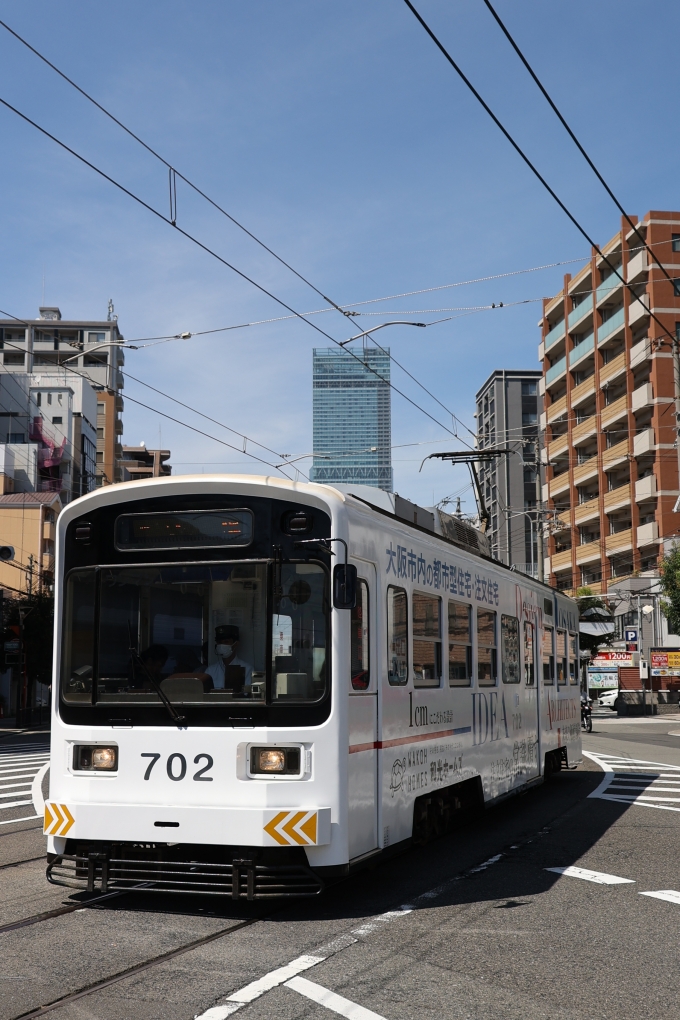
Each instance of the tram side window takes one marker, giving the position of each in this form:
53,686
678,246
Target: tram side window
427,645
562,666
359,652
487,663
573,660
397,637
79,637
510,649
460,645
529,665
548,656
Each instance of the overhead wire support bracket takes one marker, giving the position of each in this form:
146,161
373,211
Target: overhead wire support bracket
471,458
172,181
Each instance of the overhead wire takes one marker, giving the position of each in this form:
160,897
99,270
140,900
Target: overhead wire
575,140
219,258
82,375
534,169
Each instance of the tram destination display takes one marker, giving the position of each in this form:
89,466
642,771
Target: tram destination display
200,529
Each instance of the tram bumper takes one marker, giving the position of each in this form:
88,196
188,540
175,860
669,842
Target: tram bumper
252,853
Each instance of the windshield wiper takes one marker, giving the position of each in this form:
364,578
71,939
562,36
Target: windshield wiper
137,659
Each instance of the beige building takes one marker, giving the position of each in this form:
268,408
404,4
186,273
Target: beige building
28,524
609,410
138,462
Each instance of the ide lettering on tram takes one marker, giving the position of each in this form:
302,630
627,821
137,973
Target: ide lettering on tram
259,687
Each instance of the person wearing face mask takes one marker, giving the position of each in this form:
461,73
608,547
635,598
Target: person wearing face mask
226,646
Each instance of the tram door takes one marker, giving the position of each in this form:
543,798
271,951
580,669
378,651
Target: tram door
363,718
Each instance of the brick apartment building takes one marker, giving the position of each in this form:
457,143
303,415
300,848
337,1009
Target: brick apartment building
609,410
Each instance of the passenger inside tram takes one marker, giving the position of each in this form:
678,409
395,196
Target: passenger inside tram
229,673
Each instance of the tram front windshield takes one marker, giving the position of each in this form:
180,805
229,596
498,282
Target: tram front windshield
202,634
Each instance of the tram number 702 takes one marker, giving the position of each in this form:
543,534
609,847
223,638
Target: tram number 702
176,767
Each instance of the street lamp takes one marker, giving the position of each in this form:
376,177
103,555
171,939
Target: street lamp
90,350
382,325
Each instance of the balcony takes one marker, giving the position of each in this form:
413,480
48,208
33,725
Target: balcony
561,560
581,350
556,409
637,266
580,312
555,334
619,542
648,534
644,443
587,511
640,352
584,429
582,391
637,310
585,471
645,488
613,368
559,484
642,396
558,446
588,552
615,454
616,498
608,328
608,287
555,371
614,412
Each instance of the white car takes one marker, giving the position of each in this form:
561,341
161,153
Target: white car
608,700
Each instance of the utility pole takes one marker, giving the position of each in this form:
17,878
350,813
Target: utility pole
539,510
675,344
31,560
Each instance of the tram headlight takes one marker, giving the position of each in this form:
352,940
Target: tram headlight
95,759
275,760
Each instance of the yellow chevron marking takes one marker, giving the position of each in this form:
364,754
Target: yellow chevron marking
69,820
309,828
49,820
289,828
271,830
56,810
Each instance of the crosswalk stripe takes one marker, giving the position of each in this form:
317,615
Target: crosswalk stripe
599,877
672,895
649,784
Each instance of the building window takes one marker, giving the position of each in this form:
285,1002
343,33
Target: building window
487,667
17,437
101,408
427,645
359,650
675,242
13,358
100,433
460,645
528,389
676,293
510,649
57,420
38,399
100,457
96,338
397,635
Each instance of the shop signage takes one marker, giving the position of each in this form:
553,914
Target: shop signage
665,661
603,678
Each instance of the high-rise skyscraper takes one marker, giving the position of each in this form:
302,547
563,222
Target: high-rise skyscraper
352,418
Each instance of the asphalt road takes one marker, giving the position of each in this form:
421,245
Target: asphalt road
470,926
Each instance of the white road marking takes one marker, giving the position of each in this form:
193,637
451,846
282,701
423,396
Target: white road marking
672,895
26,818
599,877
22,768
331,1000
36,791
634,781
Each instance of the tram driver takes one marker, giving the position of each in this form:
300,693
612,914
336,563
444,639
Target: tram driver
229,672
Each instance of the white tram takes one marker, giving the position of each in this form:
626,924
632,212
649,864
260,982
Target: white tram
238,711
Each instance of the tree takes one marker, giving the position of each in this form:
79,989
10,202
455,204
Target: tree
670,586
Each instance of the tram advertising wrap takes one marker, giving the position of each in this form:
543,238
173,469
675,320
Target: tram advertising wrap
261,685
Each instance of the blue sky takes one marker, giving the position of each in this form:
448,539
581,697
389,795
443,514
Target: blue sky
339,135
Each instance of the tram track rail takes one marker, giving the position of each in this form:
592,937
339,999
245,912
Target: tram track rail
95,986
24,860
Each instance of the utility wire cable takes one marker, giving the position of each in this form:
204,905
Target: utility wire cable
574,139
219,258
155,411
534,169
172,170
